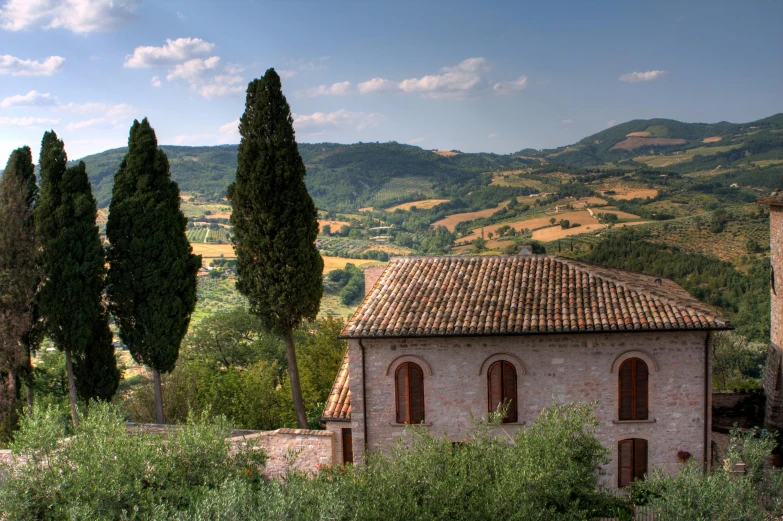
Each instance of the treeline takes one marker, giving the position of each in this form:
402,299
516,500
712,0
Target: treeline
743,298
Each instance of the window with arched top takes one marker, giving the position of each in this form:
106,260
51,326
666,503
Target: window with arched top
634,380
409,389
502,388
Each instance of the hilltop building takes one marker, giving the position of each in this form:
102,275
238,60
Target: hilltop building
773,371
440,340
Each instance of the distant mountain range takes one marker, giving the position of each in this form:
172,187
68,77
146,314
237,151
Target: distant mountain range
371,173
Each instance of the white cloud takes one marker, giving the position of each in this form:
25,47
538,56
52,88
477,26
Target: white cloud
27,122
94,122
234,68
155,81
450,82
287,74
193,70
335,89
18,67
375,85
611,123
636,77
492,135
416,140
337,119
180,15
507,87
229,133
78,16
566,121
173,52
220,86
31,99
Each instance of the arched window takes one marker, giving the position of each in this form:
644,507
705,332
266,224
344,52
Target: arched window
631,461
409,387
633,390
502,387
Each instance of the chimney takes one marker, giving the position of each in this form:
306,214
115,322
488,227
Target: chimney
773,371
525,249
371,276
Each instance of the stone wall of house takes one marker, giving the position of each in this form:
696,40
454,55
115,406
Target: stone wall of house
292,449
773,372
567,368
337,428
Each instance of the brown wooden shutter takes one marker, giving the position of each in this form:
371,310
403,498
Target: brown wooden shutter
626,390
510,391
640,390
495,386
416,393
625,463
403,402
347,446
639,458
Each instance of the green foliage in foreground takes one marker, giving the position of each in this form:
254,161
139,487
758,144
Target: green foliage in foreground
721,494
101,473
350,282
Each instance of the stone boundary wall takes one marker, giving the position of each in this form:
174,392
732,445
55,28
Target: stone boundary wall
286,449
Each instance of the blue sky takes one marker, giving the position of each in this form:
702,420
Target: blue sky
475,76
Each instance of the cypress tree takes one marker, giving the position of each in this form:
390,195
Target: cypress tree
72,260
19,275
275,222
152,270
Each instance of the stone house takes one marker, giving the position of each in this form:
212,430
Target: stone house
773,370
439,341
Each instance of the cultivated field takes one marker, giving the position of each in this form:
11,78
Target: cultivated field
399,187
452,220
424,204
213,251
338,263
582,217
638,134
445,153
662,161
711,139
636,142
334,225
388,249
513,178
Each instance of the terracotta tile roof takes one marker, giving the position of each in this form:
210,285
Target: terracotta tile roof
520,294
338,405
773,199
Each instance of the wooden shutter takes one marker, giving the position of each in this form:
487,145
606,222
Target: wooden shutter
626,390
495,386
510,391
639,458
401,385
640,390
347,446
625,463
416,393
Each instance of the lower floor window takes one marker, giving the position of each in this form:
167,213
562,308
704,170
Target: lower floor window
631,461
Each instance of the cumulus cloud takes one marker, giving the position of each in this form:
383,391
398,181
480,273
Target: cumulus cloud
78,16
416,140
155,81
566,121
27,122
220,86
337,119
492,135
336,89
172,53
636,77
287,73
507,87
193,70
94,122
31,99
229,133
611,123
376,85
449,82
18,67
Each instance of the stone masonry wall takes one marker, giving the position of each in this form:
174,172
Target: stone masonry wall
575,367
773,372
292,449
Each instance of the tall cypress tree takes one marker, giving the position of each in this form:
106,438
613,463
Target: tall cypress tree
152,270
19,274
275,222
72,260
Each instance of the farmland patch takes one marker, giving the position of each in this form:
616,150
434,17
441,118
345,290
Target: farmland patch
636,142
446,153
424,204
638,134
711,139
451,221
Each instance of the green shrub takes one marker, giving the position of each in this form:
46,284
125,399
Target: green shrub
101,473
